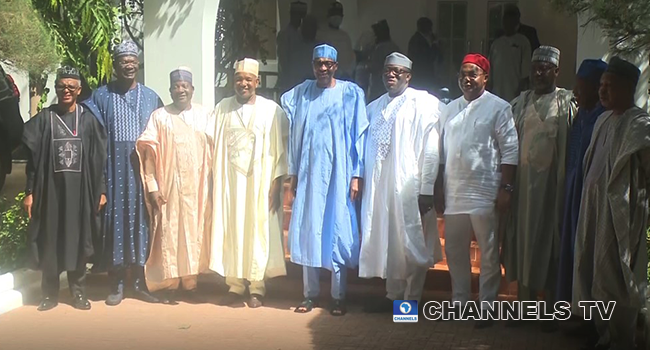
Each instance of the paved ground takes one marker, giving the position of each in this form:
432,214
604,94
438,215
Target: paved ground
136,325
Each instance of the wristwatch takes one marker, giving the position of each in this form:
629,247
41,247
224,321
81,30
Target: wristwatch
508,187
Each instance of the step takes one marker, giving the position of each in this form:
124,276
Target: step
10,300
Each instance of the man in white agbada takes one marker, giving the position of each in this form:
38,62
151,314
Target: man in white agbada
611,260
478,163
175,153
401,166
249,165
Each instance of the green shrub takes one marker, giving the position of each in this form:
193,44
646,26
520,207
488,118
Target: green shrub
13,233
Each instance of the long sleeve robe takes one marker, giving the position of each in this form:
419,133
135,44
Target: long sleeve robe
65,173
579,139
611,260
250,153
532,238
175,154
125,227
394,242
326,145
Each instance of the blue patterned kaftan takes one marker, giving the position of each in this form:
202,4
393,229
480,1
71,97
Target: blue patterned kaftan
125,226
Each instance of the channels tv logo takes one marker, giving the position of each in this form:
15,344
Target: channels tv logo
405,311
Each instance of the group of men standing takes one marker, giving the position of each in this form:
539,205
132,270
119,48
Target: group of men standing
182,191
162,192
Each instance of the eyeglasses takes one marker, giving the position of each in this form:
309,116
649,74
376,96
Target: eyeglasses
327,64
395,71
127,63
62,88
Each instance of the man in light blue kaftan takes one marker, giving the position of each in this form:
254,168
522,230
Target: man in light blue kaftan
328,123
123,107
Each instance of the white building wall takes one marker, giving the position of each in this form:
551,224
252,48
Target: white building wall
180,33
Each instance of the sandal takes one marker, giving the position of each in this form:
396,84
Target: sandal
306,306
338,308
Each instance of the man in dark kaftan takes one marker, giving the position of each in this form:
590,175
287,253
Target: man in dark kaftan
124,107
65,190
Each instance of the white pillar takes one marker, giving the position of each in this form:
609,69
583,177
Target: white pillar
180,33
593,43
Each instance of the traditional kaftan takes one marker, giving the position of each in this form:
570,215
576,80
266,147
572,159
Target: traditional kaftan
250,152
401,163
125,227
65,172
579,139
610,247
326,141
532,241
175,154
478,136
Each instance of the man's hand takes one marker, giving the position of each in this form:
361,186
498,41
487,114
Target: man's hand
102,202
274,195
293,185
156,199
355,188
503,201
425,203
439,202
28,201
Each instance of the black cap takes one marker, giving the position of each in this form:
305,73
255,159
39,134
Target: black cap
624,69
68,72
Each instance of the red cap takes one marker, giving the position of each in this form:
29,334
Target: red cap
478,60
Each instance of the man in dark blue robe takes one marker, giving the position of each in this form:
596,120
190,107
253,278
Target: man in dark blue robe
124,107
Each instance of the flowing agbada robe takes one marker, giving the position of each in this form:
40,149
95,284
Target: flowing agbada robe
177,146
579,139
326,141
65,171
401,158
125,227
611,260
249,153
532,238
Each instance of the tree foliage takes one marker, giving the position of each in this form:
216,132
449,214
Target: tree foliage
626,22
238,35
84,32
24,40
13,233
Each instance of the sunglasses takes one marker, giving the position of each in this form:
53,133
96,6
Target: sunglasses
327,64
62,88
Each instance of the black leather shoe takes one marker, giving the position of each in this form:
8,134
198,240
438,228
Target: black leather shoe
141,292
168,297
255,301
80,302
116,296
48,303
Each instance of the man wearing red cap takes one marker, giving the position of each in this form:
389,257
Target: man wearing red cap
478,162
